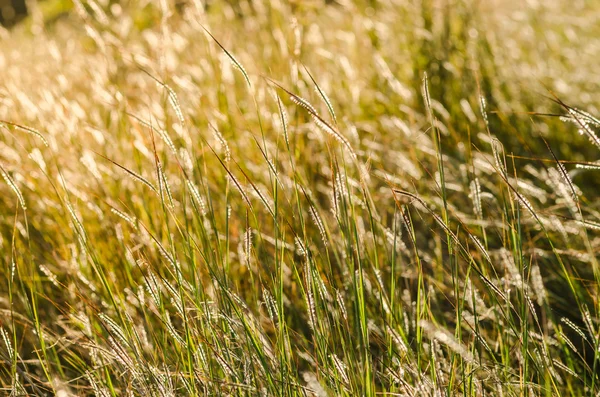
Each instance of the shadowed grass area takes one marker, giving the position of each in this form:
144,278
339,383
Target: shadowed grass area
300,199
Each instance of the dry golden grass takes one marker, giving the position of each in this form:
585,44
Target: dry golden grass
271,198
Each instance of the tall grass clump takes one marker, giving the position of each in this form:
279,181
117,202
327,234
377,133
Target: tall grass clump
300,199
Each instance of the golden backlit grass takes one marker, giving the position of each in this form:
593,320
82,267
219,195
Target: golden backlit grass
274,198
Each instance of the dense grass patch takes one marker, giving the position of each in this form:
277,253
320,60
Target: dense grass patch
301,198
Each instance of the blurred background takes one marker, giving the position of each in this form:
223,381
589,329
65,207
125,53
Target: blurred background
12,11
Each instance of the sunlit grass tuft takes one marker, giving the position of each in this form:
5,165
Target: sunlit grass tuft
300,199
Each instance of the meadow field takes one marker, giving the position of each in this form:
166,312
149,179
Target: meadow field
300,198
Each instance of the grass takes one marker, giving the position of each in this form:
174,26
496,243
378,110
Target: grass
300,199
